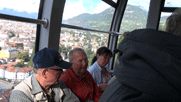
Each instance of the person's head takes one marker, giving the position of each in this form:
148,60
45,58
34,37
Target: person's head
103,56
78,57
173,23
48,66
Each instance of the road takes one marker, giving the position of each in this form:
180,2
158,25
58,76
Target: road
4,86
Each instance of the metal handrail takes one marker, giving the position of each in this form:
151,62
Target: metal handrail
89,29
45,23
23,19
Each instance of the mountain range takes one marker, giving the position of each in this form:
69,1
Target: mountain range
134,18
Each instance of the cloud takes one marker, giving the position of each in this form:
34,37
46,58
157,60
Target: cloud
1,8
91,7
143,3
29,6
73,9
115,1
165,14
101,7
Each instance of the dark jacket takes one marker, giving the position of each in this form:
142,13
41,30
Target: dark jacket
149,68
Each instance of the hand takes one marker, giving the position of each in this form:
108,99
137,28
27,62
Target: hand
102,87
112,73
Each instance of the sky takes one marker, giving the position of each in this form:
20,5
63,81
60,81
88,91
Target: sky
75,7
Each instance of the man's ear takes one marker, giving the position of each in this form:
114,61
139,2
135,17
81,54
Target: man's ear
44,72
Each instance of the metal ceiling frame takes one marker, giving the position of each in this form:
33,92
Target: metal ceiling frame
49,37
111,3
154,13
115,26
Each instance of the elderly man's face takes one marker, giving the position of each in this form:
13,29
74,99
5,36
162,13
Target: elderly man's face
80,62
53,75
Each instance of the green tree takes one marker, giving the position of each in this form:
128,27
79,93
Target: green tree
62,49
85,42
90,57
20,64
121,37
30,63
11,34
69,48
20,47
24,56
72,33
162,27
65,50
90,53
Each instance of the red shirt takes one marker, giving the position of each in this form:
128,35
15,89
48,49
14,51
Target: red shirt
84,88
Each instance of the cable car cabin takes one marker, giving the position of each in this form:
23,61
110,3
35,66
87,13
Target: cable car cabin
66,24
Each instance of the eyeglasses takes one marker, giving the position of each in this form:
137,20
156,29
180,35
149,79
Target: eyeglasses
55,69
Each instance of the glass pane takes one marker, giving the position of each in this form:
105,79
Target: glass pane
88,13
17,42
172,3
163,18
87,40
22,8
135,17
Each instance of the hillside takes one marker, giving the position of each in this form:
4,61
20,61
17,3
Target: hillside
98,21
134,18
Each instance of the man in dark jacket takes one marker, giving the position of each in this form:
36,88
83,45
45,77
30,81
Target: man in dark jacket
149,67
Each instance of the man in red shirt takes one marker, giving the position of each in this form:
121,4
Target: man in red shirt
78,79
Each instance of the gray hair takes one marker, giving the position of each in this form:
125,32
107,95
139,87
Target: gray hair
71,57
173,23
35,71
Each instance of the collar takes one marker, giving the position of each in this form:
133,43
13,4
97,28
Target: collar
80,76
75,76
36,88
99,68
97,65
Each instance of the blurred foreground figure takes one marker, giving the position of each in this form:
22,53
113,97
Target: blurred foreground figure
148,67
